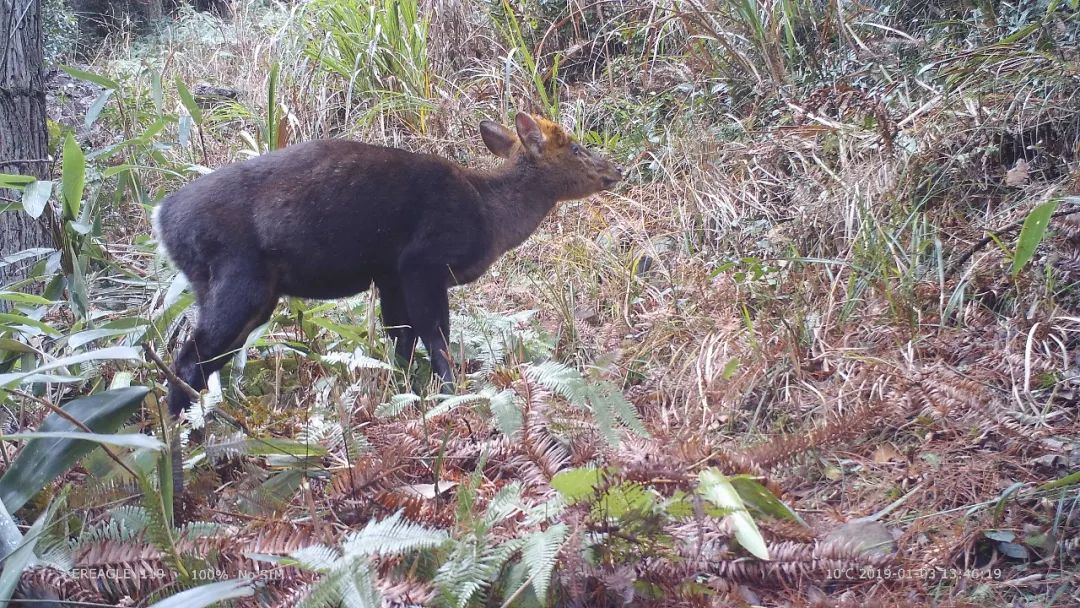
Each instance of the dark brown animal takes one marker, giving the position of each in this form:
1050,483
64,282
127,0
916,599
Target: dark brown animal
326,219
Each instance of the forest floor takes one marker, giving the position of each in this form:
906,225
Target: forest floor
819,322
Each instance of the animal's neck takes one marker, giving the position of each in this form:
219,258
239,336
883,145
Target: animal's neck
517,200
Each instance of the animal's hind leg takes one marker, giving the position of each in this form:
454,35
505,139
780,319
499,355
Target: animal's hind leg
237,301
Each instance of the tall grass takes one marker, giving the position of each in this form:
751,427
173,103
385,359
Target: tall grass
380,50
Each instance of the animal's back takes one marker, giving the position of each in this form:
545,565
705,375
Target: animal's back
324,216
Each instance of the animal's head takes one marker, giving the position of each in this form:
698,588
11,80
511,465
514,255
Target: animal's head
572,170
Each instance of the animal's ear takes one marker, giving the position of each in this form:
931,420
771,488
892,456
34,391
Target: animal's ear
529,134
497,138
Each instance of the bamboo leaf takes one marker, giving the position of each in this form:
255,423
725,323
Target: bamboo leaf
43,459
24,255
91,77
130,440
104,354
14,320
9,180
73,177
156,93
95,108
20,557
189,101
756,495
1031,234
36,196
208,595
717,489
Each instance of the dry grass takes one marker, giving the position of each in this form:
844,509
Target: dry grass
774,288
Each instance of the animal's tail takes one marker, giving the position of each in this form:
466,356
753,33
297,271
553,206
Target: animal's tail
159,235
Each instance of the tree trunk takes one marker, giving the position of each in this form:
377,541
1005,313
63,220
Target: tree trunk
23,132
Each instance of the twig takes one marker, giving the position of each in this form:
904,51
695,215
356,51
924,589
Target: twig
191,392
170,374
73,420
992,233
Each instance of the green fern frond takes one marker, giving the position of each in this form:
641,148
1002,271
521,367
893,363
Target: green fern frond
505,504
492,339
606,397
560,378
547,511
203,529
317,558
450,403
125,523
471,568
358,588
539,553
396,405
604,400
224,448
326,593
506,409
159,530
356,360
391,536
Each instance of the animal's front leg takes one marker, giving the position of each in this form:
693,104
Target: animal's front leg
429,310
395,316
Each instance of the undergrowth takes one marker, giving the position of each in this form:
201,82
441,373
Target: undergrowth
821,349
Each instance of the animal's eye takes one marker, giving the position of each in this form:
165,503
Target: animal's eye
576,149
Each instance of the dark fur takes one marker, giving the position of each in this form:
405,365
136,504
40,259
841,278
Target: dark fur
325,219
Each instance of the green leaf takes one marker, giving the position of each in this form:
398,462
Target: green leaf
104,354
25,254
626,497
14,320
272,446
717,489
91,77
25,298
1032,234
576,484
156,92
760,498
21,557
9,180
42,460
1005,536
1068,480
95,108
36,196
137,441
1013,550
189,101
730,368
208,595
73,177
85,337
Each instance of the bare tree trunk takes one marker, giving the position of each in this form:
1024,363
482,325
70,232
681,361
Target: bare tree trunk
23,132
